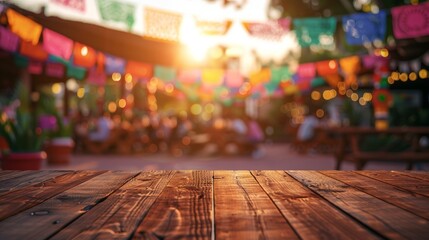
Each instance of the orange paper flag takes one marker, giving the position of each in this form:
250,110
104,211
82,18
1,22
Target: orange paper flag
139,69
350,67
24,27
260,77
33,51
84,56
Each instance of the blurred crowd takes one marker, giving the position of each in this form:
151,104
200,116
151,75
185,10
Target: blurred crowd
175,134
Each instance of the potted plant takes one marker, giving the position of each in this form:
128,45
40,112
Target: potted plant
24,142
60,145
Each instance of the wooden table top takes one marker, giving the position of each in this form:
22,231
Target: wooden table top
214,204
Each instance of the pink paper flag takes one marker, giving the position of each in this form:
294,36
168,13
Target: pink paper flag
57,44
411,20
307,70
8,40
233,79
189,76
96,77
35,67
54,70
368,61
75,4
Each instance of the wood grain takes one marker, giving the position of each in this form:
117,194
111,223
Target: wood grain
414,203
26,178
45,219
121,212
18,200
311,216
244,211
386,219
405,181
183,210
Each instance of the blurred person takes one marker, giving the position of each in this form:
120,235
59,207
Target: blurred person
101,129
255,136
306,130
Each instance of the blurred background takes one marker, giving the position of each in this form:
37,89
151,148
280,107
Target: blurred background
210,83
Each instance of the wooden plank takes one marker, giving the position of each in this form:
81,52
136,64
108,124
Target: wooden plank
416,204
18,200
311,216
118,216
244,211
183,210
45,219
4,173
401,180
14,174
29,178
386,219
423,175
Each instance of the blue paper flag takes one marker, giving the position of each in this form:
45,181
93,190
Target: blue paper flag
364,27
114,64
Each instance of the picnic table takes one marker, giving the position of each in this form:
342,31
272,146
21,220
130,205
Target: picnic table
395,144
214,204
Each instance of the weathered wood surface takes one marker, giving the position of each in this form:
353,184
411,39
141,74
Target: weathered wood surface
214,205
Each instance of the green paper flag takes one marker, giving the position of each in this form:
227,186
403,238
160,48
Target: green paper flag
20,60
280,73
111,10
76,72
166,74
315,31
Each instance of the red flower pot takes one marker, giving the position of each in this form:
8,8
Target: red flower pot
22,161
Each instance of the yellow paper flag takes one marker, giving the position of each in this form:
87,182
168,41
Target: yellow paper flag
212,76
24,27
350,66
260,77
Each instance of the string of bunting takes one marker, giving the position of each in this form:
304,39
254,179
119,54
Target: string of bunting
59,56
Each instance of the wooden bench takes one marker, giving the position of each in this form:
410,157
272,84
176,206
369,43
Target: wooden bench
350,147
118,140
322,142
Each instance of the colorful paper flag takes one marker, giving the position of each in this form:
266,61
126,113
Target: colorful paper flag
24,27
350,66
233,79
306,70
165,74
212,76
57,44
75,72
368,61
8,40
35,67
213,28
315,31
272,29
33,51
411,20
114,64
364,27
189,76
74,4
54,69
83,55
327,67
112,10
20,61
96,77
139,70
262,76
162,24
